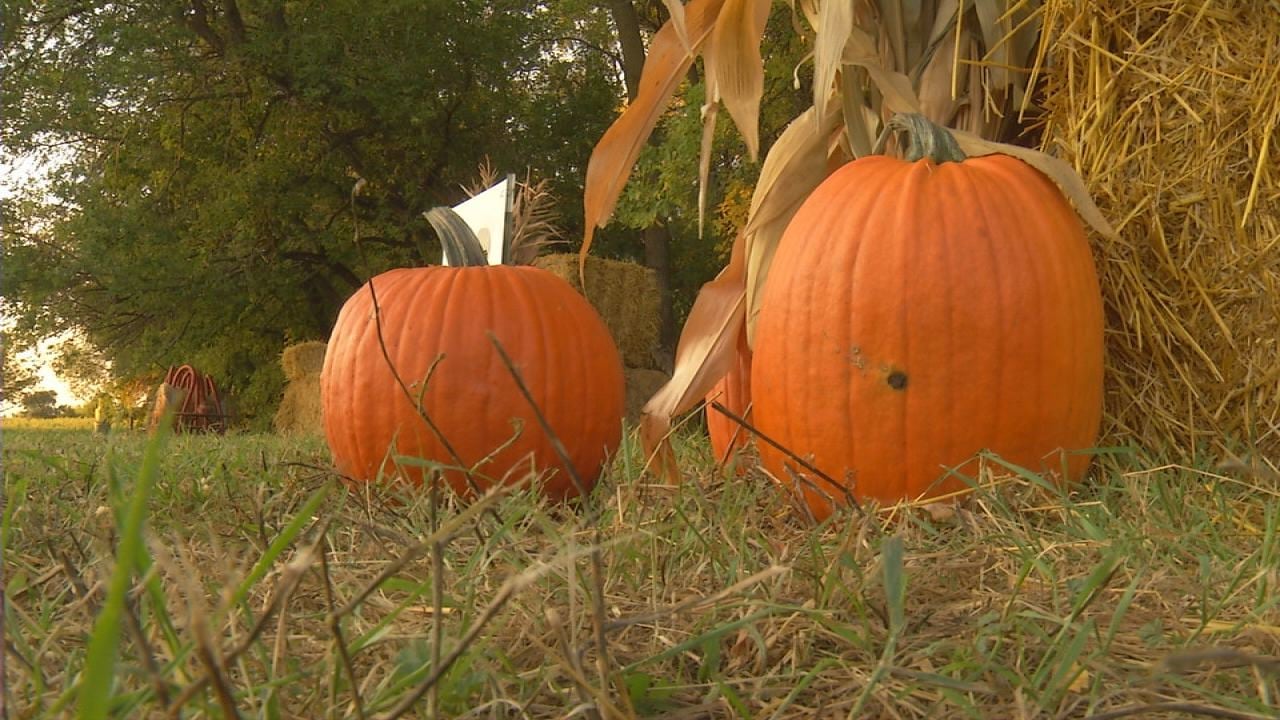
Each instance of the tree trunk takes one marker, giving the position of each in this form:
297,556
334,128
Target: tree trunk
657,238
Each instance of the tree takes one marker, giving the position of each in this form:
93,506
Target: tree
19,377
42,404
205,208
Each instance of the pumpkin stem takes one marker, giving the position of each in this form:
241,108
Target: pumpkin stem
925,139
461,246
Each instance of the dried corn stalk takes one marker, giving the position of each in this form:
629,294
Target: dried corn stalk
962,64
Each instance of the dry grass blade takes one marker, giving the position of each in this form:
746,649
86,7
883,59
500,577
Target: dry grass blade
511,587
1184,708
593,516
615,154
799,462
697,601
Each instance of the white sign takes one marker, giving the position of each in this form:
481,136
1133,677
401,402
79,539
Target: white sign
489,216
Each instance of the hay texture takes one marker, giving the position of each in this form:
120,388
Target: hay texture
303,359
641,384
1169,111
300,410
626,296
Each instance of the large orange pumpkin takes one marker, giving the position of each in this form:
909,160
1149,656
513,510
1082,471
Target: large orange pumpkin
556,340
920,311
734,392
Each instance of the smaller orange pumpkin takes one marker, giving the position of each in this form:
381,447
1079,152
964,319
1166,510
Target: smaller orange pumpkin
734,392
433,326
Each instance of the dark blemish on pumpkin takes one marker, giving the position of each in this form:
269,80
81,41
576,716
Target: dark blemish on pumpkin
898,380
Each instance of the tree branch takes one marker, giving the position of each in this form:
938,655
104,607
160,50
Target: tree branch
197,20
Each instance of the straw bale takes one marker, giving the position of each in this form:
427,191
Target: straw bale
1169,111
626,296
641,384
302,359
300,410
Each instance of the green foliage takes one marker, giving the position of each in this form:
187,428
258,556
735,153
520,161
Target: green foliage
663,187
202,207
18,376
43,404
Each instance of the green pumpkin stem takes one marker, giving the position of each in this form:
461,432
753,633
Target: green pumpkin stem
925,139
461,246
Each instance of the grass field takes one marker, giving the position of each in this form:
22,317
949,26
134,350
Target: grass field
234,577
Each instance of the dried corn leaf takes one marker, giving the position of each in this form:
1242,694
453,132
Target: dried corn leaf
1056,169
895,87
834,23
861,126
615,154
944,72
703,356
796,164
709,113
732,58
676,10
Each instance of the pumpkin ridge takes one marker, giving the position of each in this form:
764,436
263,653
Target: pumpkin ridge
527,297
888,257
386,289
1076,411
927,393
1043,261
915,187
964,182
852,224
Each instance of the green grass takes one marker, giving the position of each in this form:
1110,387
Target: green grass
242,580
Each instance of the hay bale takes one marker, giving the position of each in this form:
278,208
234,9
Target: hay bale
641,384
302,359
300,410
626,296
1168,120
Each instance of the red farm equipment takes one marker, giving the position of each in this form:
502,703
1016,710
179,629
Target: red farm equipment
198,408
